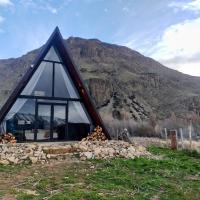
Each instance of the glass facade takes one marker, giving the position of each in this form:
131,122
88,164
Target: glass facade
49,107
52,55
40,83
20,120
63,86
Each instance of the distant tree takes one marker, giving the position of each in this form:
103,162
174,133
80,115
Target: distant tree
153,120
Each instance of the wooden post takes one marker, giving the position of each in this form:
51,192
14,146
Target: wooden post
177,138
190,135
173,135
166,136
181,134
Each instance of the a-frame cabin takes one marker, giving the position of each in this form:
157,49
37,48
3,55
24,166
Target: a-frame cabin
51,102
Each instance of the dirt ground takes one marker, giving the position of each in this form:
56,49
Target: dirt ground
14,179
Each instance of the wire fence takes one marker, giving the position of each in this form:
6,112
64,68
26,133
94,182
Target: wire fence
185,137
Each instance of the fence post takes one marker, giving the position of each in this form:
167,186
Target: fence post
177,138
117,134
166,136
190,135
173,135
181,135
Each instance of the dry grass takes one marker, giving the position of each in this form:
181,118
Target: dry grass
149,141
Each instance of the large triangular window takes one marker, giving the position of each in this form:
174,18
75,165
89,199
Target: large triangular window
52,55
51,79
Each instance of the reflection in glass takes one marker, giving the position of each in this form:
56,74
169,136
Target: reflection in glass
40,83
43,122
59,122
63,84
52,55
77,113
20,120
78,121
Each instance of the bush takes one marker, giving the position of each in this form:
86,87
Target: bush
145,130
142,129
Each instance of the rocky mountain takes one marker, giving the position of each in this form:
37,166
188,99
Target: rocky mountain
122,82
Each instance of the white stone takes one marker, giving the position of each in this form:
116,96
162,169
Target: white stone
12,159
141,148
88,155
83,158
97,151
83,147
24,157
33,159
4,162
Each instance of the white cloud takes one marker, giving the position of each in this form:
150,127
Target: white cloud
27,3
1,19
193,5
51,9
125,9
179,47
5,2
130,43
105,10
33,39
41,5
180,40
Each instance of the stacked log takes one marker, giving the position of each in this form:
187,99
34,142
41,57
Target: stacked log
7,138
96,135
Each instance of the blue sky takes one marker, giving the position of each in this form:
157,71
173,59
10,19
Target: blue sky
166,30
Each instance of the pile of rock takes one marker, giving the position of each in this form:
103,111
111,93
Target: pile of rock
41,153
96,135
7,138
21,153
109,149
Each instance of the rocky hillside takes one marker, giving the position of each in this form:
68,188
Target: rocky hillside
122,82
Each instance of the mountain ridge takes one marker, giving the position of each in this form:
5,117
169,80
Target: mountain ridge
121,81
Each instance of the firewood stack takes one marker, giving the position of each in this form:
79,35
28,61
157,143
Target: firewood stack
7,138
96,135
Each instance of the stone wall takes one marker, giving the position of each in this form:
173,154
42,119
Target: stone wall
45,152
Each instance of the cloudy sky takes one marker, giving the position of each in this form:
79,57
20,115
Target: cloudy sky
166,30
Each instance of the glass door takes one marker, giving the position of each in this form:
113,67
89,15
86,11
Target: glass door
59,122
43,118
51,121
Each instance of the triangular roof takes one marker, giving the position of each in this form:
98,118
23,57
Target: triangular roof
56,40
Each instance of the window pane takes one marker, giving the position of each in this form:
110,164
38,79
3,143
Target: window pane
77,113
20,120
40,83
59,122
78,121
63,84
43,122
52,55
